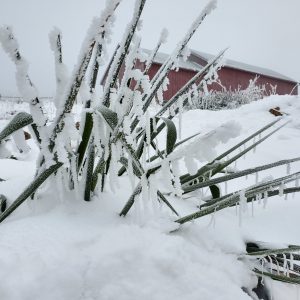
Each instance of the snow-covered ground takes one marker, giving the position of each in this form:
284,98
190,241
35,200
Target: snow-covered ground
59,247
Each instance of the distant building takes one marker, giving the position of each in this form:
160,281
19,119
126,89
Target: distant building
232,75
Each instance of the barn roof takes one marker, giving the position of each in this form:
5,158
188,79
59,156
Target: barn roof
242,66
160,58
191,65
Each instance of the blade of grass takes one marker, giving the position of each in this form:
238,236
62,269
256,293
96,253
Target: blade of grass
31,188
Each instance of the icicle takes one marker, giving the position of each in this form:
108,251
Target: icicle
288,168
252,207
154,125
148,128
281,188
74,176
226,188
254,141
258,198
59,184
113,174
130,172
180,118
285,269
145,193
240,216
156,149
144,155
176,177
243,201
166,176
256,178
246,177
153,193
292,261
265,201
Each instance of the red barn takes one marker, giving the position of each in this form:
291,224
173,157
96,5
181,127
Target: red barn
232,75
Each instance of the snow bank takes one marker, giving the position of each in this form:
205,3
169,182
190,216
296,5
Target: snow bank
54,248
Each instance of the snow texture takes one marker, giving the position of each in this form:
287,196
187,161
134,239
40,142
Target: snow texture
58,247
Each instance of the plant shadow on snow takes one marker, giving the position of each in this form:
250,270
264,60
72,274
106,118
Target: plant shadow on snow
125,194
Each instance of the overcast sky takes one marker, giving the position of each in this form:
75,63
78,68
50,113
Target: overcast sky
265,33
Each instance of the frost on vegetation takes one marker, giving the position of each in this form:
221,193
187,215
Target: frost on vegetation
119,134
227,99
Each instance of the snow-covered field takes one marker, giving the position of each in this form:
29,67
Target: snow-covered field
64,248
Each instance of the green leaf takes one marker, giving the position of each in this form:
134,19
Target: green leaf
109,116
131,200
266,252
19,121
188,85
247,139
154,157
239,155
164,199
3,201
171,135
233,198
217,166
190,187
32,187
277,277
89,171
124,162
88,126
215,191
138,154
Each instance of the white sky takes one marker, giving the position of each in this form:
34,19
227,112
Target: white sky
265,33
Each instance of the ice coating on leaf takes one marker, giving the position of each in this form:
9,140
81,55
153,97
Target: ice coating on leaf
165,178
20,142
25,86
171,62
55,37
281,189
203,147
176,178
164,35
185,53
190,165
11,46
122,51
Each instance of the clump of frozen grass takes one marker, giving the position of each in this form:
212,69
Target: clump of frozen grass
228,99
118,134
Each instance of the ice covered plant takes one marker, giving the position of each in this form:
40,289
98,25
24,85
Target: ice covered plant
119,136
229,99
